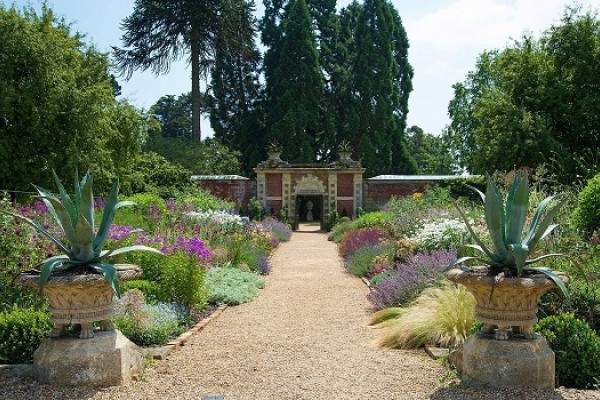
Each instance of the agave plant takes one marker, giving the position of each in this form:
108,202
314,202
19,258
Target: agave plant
75,218
506,222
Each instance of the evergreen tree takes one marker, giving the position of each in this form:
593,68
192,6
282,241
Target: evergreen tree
382,82
174,115
295,87
235,99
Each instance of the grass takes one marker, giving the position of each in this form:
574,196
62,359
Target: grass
442,315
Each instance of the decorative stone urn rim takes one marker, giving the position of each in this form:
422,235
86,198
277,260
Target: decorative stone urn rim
31,278
505,305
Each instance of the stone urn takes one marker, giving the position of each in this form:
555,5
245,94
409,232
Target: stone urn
506,352
506,306
345,155
274,155
81,299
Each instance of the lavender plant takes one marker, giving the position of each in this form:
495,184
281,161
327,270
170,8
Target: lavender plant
411,277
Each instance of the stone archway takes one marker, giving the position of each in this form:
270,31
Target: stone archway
309,188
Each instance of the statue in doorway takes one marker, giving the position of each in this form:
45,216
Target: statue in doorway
309,206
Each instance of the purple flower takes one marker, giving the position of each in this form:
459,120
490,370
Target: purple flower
418,272
355,239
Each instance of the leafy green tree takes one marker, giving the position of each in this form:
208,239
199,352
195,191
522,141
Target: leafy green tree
208,157
174,115
235,101
430,152
159,32
533,102
295,88
57,105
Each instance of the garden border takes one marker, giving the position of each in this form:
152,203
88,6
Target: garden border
158,353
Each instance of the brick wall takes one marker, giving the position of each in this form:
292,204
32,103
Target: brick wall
377,193
238,191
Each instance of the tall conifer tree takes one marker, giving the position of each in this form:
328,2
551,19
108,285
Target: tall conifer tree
235,99
295,88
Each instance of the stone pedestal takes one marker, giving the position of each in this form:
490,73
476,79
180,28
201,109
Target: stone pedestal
107,359
508,363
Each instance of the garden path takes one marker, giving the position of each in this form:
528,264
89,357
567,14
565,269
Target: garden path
304,337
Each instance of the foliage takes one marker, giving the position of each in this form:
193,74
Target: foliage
587,214
360,262
75,217
355,239
160,32
442,316
182,281
232,286
411,277
148,324
174,114
430,152
21,331
202,200
295,87
235,101
332,219
208,157
515,109
150,289
153,173
577,350
505,222
57,95
256,209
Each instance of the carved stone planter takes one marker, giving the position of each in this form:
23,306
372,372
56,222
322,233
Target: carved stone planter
505,306
80,299
507,352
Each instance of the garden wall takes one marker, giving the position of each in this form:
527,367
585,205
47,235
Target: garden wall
228,187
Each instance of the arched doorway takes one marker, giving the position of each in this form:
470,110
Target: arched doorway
310,200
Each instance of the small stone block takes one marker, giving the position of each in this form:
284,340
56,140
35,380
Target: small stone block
436,352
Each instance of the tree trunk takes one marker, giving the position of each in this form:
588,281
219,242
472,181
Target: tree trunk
196,98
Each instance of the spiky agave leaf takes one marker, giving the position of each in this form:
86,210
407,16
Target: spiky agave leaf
110,275
555,278
517,206
60,213
49,266
87,199
85,239
519,253
123,250
66,199
495,217
545,227
472,232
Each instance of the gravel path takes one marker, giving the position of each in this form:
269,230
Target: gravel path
304,337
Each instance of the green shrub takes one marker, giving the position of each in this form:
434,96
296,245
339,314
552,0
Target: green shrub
150,263
587,214
21,331
151,290
146,201
255,209
337,233
148,324
232,286
203,200
577,350
182,281
332,219
374,220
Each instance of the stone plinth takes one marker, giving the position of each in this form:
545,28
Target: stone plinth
107,359
508,363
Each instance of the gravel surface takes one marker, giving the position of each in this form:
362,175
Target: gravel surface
304,337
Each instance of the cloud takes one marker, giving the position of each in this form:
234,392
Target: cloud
445,43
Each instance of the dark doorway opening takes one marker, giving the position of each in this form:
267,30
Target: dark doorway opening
309,208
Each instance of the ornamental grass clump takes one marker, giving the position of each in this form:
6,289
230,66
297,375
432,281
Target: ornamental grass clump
512,245
410,278
442,316
84,243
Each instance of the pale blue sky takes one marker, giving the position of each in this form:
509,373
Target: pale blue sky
445,38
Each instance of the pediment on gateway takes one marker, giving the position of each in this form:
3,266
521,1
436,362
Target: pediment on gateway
309,184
